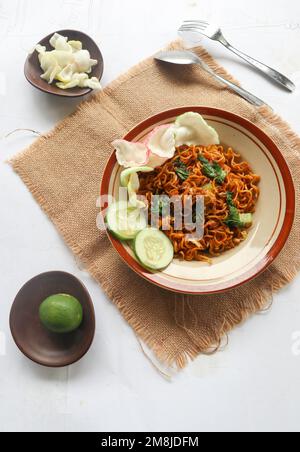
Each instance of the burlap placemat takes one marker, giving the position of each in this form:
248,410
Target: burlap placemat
63,171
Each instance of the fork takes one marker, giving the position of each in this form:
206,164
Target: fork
215,33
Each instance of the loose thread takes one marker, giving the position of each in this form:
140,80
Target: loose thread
35,132
266,309
163,374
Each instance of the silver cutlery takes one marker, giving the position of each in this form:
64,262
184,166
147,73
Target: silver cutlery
215,33
186,57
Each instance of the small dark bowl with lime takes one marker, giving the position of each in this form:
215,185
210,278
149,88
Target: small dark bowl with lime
52,319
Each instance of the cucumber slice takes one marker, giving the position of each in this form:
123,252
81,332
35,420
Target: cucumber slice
153,249
125,175
124,221
246,219
133,187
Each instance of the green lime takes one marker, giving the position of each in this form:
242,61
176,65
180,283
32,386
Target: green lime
61,313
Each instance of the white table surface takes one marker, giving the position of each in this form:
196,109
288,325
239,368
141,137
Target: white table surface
253,385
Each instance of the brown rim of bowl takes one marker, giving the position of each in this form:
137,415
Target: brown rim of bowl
88,301
32,70
289,190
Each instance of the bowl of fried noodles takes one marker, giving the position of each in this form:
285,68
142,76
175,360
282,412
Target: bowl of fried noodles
197,200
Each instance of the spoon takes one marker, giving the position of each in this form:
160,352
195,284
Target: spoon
33,69
186,57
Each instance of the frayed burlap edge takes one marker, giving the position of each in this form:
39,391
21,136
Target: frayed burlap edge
207,344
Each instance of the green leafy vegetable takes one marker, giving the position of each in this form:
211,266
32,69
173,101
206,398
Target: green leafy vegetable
235,218
213,170
229,197
208,169
181,170
208,187
220,173
159,204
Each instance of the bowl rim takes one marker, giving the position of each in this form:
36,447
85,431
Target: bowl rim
23,349
290,193
68,93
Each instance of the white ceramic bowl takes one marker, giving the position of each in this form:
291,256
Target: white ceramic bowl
272,221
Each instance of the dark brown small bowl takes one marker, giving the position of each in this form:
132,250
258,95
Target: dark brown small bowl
33,69
33,339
